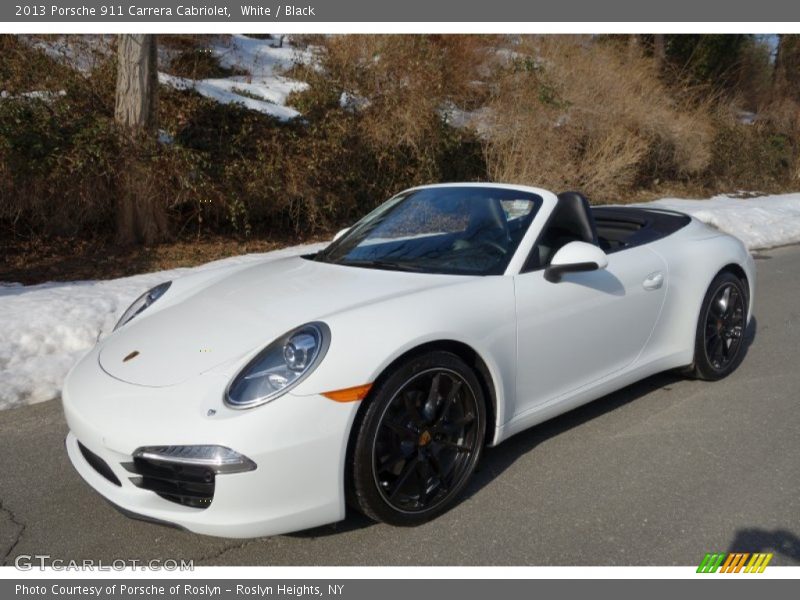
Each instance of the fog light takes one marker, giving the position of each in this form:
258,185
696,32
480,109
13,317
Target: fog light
217,458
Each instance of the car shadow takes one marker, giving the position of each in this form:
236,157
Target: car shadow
499,458
778,541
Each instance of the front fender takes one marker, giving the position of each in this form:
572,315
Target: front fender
479,313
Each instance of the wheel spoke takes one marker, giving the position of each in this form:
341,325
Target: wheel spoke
452,396
413,412
422,486
400,429
389,461
455,446
433,392
410,467
437,469
725,300
716,348
433,401
456,426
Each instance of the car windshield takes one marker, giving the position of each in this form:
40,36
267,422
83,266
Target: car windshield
463,230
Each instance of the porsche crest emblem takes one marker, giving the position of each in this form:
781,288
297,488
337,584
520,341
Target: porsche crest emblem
131,356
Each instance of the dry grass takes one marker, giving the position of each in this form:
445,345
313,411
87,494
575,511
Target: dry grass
573,114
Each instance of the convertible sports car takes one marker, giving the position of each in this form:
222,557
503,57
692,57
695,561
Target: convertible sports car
263,398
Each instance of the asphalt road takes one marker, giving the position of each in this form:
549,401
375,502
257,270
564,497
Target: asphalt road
657,474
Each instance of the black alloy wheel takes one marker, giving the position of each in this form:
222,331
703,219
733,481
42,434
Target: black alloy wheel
724,326
719,346
420,440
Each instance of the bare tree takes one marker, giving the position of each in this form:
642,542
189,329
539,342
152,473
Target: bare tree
137,81
140,217
786,73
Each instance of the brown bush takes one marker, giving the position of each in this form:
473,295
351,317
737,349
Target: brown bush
761,156
571,112
399,83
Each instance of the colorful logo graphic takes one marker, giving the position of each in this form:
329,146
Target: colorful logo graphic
734,562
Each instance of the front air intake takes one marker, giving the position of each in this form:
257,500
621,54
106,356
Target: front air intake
99,465
189,485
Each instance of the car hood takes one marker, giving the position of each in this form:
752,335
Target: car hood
242,312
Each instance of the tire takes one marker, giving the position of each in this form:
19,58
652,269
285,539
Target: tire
720,335
419,441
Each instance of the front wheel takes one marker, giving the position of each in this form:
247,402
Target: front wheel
719,340
419,441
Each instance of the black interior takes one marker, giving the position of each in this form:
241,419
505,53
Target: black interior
571,221
612,228
619,227
488,221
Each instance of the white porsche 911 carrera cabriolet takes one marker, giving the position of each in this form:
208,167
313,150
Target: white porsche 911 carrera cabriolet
263,398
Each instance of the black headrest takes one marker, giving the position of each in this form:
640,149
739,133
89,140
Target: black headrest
486,215
573,209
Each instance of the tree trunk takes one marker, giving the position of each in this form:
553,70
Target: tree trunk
141,215
137,82
786,72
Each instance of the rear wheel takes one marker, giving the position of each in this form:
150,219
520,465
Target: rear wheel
420,440
719,343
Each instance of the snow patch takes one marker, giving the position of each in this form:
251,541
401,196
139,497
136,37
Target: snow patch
761,222
264,89
265,95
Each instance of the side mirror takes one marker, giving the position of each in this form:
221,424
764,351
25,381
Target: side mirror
575,257
340,233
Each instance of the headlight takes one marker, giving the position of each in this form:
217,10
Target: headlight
142,302
279,367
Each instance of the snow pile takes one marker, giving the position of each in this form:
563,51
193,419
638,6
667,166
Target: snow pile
264,89
45,328
81,52
762,222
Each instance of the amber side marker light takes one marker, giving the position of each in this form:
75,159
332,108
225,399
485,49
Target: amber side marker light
353,394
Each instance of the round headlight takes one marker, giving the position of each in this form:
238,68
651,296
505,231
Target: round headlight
300,350
142,303
279,367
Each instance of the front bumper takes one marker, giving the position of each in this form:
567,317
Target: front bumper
298,443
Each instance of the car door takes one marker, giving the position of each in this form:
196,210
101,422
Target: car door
585,327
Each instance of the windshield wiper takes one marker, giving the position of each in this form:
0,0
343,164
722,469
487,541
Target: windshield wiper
383,264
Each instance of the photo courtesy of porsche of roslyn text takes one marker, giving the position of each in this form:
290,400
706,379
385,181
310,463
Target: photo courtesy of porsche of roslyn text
378,299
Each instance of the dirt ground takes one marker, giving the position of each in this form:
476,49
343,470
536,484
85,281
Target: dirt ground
67,259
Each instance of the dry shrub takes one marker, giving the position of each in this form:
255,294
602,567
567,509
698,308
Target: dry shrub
573,112
398,83
191,56
762,156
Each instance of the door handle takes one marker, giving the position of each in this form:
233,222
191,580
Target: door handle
653,281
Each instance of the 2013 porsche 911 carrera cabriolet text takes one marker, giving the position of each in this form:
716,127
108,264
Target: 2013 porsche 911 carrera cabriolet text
263,398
